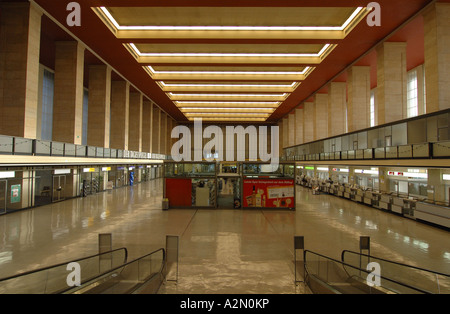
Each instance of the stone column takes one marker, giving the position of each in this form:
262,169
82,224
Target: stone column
321,113
147,107
120,104
20,35
435,185
391,82
99,106
68,95
337,104
309,121
291,131
163,134
285,132
135,123
156,130
437,56
299,125
358,108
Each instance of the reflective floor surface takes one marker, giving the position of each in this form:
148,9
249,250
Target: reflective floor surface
221,251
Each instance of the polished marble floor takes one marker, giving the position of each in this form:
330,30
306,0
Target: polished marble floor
221,251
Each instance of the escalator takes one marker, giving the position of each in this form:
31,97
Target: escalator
325,275
105,273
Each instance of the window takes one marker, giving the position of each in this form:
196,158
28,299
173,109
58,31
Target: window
48,87
412,95
372,108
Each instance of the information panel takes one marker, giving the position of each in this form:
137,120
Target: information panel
269,193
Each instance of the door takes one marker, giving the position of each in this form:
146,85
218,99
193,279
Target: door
228,192
59,184
3,185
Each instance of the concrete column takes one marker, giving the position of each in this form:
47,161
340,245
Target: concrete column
299,125
391,82
436,188
99,106
291,132
163,134
309,121
280,135
384,179
147,107
20,35
156,130
168,138
358,108
120,104
437,56
68,95
337,103
135,124
321,113
285,132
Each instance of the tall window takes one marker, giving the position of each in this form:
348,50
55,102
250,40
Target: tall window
48,86
372,108
412,94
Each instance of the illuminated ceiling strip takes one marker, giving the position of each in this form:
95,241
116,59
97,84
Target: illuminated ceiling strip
224,108
274,103
195,54
229,95
232,28
153,71
229,85
228,114
247,119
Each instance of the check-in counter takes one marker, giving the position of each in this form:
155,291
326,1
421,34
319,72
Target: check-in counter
397,205
359,195
375,199
348,192
435,214
341,190
409,206
385,202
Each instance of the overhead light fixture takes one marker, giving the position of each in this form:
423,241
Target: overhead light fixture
118,27
227,103
305,70
228,95
199,54
294,84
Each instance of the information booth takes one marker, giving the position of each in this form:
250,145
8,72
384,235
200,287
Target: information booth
268,186
190,184
229,185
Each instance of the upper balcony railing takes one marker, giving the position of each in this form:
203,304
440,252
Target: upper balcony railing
422,137
10,145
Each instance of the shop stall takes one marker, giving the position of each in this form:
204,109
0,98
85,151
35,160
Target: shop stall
190,184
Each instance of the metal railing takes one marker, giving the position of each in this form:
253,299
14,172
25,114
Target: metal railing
327,275
53,279
424,279
144,275
11,145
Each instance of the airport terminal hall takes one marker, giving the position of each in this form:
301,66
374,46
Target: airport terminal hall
225,153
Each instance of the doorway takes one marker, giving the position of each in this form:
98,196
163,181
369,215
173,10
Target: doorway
3,185
59,185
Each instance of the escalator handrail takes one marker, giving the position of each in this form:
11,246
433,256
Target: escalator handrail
65,263
360,269
163,263
392,262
